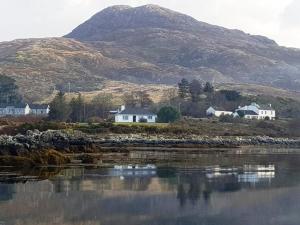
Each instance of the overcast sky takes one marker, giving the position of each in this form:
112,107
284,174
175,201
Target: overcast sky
277,19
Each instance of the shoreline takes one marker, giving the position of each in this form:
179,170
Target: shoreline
76,141
50,147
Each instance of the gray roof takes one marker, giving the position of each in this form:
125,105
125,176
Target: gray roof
136,111
37,106
246,112
17,106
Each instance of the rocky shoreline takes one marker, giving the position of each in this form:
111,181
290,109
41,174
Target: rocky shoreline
77,142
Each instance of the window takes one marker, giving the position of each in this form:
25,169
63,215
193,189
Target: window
150,117
125,117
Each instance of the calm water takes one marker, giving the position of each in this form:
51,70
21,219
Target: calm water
257,190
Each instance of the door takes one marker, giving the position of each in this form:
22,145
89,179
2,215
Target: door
134,119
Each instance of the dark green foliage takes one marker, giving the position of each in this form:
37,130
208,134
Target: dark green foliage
194,109
9,91
231,95
77,108
183,88
196,89
168,114
143,120
209,88
59,108
226,119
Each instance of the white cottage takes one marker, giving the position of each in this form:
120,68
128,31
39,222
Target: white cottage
134,115
39,110
215,111
14,110
255,111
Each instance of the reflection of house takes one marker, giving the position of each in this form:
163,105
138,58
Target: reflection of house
255,111
216,111
133,115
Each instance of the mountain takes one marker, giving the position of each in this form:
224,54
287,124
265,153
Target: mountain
145,45
181,46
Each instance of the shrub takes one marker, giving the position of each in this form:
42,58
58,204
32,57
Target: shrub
168,114
226,119
143,120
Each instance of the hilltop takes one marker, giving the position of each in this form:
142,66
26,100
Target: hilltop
146,45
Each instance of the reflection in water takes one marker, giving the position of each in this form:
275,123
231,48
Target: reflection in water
245,193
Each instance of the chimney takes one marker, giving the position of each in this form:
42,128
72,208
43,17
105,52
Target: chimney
122,108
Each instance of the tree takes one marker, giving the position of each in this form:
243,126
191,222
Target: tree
9,91
195,89
77,109
168,114
231,95
138,99
131,100
59,108
145,100
183,88
209,88
100,106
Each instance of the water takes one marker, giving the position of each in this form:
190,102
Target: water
258,190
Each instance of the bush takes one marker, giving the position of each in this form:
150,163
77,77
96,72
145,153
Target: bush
143,120
168,114
226,119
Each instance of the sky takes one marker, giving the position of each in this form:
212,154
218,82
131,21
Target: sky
276,19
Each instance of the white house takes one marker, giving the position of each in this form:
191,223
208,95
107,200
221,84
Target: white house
24,110
134,115
215,111
255,111
15,110
39,110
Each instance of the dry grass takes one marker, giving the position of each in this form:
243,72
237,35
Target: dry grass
118,89
254,89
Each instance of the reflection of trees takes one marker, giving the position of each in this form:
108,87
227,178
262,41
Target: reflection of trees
6,192
194,186
137,183
189,188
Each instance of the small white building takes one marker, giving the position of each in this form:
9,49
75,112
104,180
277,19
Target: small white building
39,110
134,115
215,111
14,110
24,110
255,111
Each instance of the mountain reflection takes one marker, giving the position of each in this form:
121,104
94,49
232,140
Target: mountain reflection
171,195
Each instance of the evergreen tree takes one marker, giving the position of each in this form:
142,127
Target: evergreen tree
183,88
209,88
59,108
77,109
196,90
9,91
168,114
